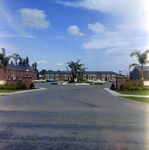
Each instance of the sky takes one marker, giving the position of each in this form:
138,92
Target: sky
101,33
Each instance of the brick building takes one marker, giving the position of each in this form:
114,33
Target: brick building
62,75
16,72
137,74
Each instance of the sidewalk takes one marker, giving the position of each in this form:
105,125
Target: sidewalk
11,93
126,95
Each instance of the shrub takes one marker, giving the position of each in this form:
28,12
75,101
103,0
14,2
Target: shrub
12,86
112,86
145,88
19,85
1,87
141,84
132,88
134,85
127,85
6,85
122,87
32,86
23,86
139,88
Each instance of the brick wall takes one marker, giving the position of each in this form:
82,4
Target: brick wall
1,72
122,80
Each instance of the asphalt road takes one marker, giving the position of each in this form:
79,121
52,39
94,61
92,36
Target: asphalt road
72,117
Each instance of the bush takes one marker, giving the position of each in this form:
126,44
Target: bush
139,88
19,85
12,86
134,85
112,86
32,86
145,88
6,85
127,85
132,88
122,87
1,87
141,84
23,86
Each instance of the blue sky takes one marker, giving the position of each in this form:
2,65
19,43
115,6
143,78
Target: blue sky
53,32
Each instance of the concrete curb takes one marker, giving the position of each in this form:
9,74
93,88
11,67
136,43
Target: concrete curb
125,95
22,91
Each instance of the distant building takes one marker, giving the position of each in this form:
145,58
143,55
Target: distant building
137,74
16,72
63,75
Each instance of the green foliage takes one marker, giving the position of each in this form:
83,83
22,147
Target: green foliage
19,85
132,88
32,86
23,86
112,86
139,88
1,87
122,87
141,84
127,85
6,85
134,85
12,86
145,88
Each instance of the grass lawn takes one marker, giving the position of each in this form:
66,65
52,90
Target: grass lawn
139,99
143,92
8,91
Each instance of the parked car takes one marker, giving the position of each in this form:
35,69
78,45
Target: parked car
49,80
40,81
112,80
95,81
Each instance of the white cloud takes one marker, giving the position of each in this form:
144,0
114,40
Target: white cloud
33,18
97,27
7,34
133,13
42,62
59,64
74,30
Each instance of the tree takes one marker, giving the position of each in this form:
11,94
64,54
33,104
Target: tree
42,71
76,69
16,57
27,61
24,63
142,58
3,59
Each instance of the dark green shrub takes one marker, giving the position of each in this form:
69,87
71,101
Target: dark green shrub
122,87
6,85
1,87
132,88
32,86
23,86
141,84
134,85
112,86
127,85
145,88
12,86
139,88
19,85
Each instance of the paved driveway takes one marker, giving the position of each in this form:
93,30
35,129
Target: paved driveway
72,117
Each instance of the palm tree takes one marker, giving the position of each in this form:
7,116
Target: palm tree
142,58
76,69
16,57
4,60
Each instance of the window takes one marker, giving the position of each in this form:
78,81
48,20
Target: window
103,75
57,74
103,79
66,75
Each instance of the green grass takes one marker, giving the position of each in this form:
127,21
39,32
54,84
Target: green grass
143,92
8,91
139,99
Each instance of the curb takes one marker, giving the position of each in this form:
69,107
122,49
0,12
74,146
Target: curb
22,91
125,95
